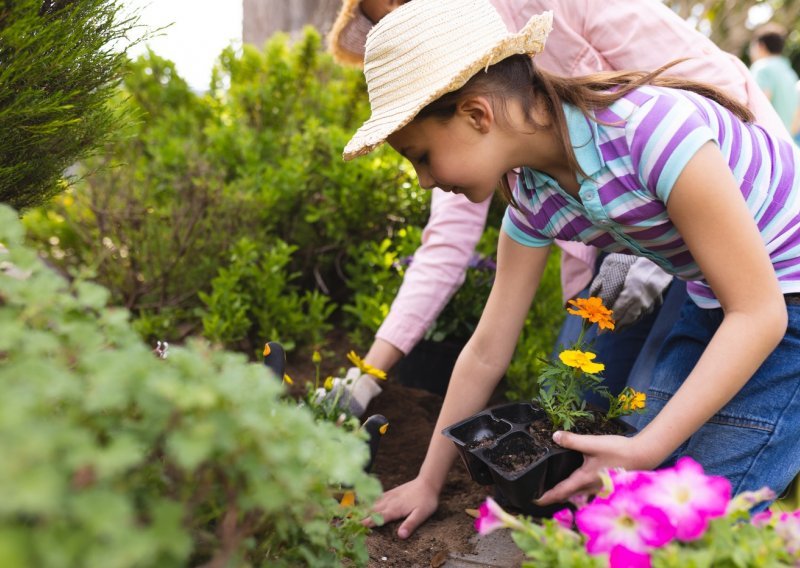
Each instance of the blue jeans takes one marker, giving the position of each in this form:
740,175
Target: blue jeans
754,440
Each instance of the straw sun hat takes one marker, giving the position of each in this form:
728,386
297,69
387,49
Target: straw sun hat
347,35
427,48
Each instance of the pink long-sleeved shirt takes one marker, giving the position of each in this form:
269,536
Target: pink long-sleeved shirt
588,36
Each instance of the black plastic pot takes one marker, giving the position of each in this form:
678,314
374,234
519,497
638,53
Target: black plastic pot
429,364
503,431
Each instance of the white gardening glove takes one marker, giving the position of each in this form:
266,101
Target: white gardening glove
630,286
355,391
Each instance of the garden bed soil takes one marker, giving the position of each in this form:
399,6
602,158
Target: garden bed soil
412,414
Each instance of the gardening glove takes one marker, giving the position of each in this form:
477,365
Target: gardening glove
630,286
355,391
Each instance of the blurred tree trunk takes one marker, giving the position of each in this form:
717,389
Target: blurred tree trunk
262,18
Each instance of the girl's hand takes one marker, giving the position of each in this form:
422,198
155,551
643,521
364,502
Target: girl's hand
599,452
415,500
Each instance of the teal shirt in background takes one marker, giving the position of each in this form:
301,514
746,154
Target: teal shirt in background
774,74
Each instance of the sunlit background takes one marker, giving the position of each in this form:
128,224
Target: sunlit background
197,33
198,30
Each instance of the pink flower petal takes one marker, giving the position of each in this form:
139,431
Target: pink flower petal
688,496
565,518
622,557
488,521
622,521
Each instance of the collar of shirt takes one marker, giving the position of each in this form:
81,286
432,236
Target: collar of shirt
583,137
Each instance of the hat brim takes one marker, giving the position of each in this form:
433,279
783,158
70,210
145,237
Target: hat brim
349,34
529,40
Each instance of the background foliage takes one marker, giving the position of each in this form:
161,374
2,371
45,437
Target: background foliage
115,458
60,63
181,216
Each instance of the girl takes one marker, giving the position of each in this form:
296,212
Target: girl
588,37
661,168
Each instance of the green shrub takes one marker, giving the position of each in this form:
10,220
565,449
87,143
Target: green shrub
538,337
114,458
252,298
158,215
60,62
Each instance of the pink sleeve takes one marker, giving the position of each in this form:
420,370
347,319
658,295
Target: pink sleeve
438,268
577,267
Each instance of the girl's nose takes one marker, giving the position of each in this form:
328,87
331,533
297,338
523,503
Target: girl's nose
425,179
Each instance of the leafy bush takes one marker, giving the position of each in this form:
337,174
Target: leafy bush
253,295
159,215
58,68
538,334
114,458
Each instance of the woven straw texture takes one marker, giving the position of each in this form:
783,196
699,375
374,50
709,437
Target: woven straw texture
427,48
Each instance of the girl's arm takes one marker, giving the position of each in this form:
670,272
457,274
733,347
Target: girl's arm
707,208
477,371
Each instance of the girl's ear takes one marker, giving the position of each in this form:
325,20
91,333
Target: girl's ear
478,111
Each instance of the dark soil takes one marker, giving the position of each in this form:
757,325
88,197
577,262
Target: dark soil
412,415
541,430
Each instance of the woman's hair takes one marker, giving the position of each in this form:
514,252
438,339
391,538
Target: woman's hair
519,78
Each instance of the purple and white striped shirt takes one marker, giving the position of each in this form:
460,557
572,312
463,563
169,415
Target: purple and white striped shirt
633,157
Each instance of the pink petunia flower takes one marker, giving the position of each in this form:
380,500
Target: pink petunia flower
788,528
624,558
746,500
762,519
624,527
688,496
491,517
622,480
564,517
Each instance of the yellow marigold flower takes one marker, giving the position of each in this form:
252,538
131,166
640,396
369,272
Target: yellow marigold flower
288,379
634,401
328,383
592,309
267,349
581,360
316,357
365,367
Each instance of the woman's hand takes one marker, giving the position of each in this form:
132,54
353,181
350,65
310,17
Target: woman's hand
415,500
599,453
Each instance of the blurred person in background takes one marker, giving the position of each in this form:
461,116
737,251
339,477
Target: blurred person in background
773,72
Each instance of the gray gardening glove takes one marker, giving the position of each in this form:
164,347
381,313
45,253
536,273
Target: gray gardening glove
630,286
355,391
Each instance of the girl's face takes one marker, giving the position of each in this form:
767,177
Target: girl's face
460,155
374,10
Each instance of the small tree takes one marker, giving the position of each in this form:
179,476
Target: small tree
60,62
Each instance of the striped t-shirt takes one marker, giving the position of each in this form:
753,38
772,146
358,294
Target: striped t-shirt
633,157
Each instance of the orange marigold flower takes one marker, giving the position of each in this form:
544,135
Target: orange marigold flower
348,499
592,309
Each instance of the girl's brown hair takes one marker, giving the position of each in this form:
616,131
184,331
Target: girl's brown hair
517,77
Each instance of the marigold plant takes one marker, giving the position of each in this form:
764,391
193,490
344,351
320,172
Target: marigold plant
564,382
